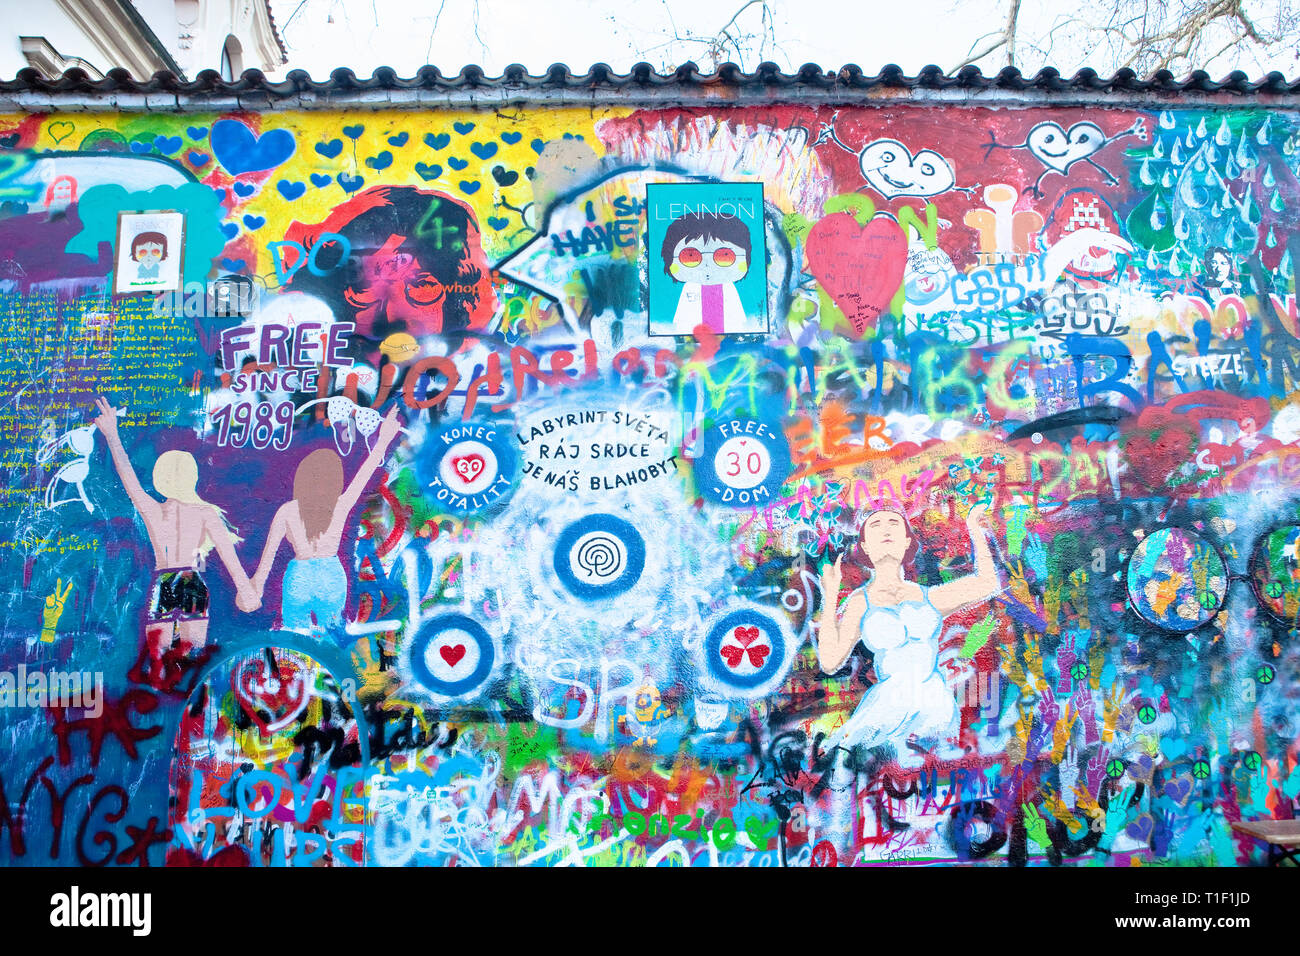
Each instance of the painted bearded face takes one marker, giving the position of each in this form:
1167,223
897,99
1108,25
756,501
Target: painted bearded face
395,286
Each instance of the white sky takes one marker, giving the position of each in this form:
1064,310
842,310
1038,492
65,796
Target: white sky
365,34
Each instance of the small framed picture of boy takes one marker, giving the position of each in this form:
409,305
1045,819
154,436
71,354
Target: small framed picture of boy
150,254
707,258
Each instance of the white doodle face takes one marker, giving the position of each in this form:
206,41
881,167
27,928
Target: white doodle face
890,169
1059,149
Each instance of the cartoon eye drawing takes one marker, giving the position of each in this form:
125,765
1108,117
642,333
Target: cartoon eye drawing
927,169
888,157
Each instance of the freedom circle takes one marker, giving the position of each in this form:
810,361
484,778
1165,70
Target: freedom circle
599,556
742,462
727,649
452,655
468,467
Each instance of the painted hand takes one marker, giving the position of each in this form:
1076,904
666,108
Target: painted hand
1020,586
389,428
1052,605
1117,812
248,600
1095,772
106,420
831,583
1061,734
54,610
1036,826
1068,767
1065,658
978,636
1036,555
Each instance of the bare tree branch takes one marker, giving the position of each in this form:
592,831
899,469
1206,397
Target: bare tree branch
1146,36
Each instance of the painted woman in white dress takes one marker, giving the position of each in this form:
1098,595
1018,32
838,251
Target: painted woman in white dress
899,621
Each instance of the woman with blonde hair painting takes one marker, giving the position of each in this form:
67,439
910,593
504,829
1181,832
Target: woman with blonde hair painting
183,529
899,621
314,590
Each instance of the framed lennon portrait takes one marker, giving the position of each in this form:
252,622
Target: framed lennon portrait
707,258
150,252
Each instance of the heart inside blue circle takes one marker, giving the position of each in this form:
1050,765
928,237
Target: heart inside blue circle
430,631
718,633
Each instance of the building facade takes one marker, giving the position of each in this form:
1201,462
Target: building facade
144,37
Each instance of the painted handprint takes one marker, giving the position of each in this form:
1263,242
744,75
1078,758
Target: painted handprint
54,610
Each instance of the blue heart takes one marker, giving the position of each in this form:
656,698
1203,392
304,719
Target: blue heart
498,223
196,132
139,147
233,265
573,136
245,189
292,191
198,159
483,150
230,229
399,140
462,128
241,151
1173,747
382,161
511,138
537,146
428,171
470,188
456,163
221,194
254,222
320,180
331,149
350,184
167,144
352,132
438,141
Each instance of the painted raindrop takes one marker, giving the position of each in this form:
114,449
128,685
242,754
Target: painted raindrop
1224,135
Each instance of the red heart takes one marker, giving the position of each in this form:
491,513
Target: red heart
1156,461
272,699
860,267
732,655
452,653
745,635
756,655
468,467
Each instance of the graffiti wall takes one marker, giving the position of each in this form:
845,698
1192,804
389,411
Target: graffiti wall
746,486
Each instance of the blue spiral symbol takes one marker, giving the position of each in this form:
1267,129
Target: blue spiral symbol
600,556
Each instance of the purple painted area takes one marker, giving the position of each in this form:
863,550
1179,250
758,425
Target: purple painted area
31,250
